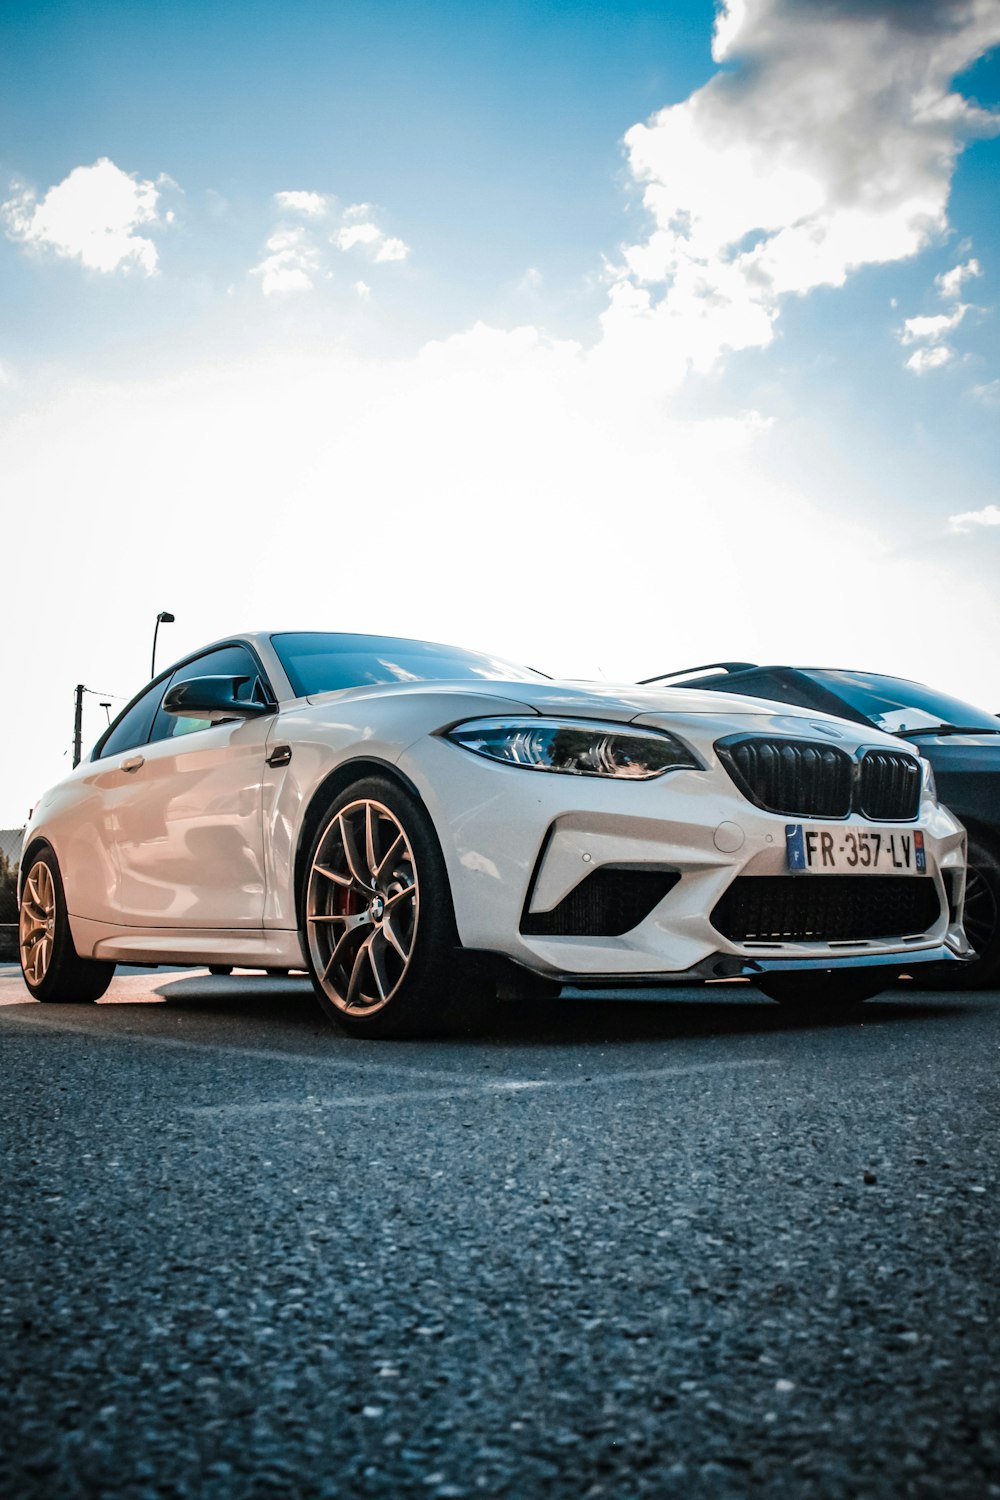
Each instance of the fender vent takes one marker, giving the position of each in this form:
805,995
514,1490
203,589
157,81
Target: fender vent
611,900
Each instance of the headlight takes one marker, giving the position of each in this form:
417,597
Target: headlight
930,785
575,747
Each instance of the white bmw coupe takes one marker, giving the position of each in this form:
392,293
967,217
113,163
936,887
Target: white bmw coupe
408,821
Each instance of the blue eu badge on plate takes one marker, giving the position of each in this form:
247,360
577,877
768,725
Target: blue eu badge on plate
795,845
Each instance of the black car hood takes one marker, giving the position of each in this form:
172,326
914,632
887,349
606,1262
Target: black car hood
967,771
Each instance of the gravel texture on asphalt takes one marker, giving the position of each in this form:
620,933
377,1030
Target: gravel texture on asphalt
694,1248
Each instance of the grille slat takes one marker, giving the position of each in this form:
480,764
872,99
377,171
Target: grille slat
804,779
826,908
889,785
793,777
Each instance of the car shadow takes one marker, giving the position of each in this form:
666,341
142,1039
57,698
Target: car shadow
576,1017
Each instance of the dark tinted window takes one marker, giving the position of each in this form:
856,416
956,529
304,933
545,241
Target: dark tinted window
134,725
322,663
896,705
770,685
228,661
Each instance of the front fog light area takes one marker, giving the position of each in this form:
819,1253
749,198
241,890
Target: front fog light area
575,747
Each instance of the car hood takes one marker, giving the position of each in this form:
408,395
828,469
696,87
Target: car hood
959,752
620,703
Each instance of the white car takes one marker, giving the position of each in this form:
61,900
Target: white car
405,820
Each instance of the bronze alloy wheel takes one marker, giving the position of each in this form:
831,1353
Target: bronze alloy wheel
362,907
37,923
52,968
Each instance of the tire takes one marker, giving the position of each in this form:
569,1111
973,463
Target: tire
982,927
51,966
825,991
220,968
377,916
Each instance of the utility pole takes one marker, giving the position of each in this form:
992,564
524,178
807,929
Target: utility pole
78,724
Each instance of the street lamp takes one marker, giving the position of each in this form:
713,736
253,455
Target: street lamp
163,618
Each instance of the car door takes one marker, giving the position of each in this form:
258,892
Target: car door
189,833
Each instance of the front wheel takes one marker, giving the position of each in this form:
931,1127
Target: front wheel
379,923
824,991
52,968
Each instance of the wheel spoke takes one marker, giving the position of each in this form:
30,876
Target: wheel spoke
383,866
354,983
376,956
406,894
370,843
339,950
390,933
333,875
354,862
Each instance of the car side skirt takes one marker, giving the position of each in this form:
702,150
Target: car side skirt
278,948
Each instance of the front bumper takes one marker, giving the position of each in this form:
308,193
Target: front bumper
518,841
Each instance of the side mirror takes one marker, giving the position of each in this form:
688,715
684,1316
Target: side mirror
215,698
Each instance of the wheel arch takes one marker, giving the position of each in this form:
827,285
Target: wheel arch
336,782
30,852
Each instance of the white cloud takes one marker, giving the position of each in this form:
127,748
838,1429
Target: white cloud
827,144
392,249
363,290
365,232
934,327
297,254
949,283
988,516
356,234
989,393
91,216
309,205
921,361
291,263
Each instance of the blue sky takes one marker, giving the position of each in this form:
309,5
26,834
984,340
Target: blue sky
614,336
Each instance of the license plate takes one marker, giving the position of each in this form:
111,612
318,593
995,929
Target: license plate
855,851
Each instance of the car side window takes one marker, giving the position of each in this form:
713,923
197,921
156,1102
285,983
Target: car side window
133,727
228,661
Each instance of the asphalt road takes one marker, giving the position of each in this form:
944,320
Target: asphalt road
693,1248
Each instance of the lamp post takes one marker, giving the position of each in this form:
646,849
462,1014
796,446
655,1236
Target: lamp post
163,618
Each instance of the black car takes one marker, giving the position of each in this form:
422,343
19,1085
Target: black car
962,744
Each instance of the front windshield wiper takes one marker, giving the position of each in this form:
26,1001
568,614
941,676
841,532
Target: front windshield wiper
910,734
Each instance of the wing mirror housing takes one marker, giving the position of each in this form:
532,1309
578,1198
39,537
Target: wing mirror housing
215,699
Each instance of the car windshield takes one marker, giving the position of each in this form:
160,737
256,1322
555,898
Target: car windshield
323,663
899,706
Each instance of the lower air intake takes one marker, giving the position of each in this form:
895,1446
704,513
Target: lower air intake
826,908
608,903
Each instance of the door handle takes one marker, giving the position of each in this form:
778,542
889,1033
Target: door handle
133,763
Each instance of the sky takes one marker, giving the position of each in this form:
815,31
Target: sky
614,338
